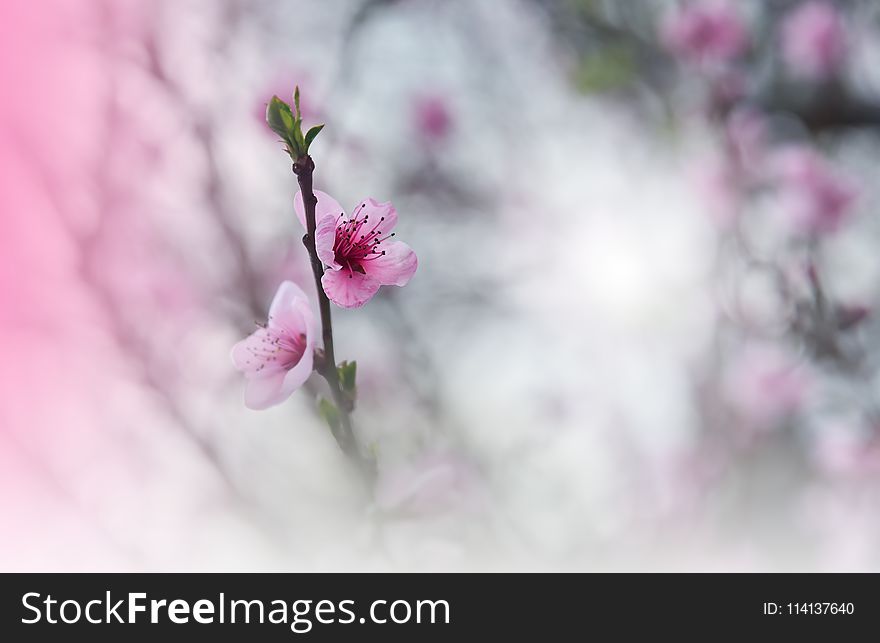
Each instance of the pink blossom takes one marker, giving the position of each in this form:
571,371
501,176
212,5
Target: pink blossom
359,250
814,40
706,32
843,453
765,385
814,197
433,483
277,359
433,118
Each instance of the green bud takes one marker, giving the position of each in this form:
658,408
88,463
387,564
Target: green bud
347,378
279,117
287,124
330,414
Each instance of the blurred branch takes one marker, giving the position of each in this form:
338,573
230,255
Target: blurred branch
825,108
109,195
247,281
127,340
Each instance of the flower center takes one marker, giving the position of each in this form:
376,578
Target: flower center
358,241
279,349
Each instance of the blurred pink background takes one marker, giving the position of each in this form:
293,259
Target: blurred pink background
642,334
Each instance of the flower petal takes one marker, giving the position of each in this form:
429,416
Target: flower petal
347,289
325,238
376,211
396,267
311,324
263,392
298,375
326,205
245,356
286,311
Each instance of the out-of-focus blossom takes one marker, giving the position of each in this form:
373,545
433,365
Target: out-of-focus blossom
814,40
705,32
840,451
432,484
765,385
433,118
358,250
815,198
277,359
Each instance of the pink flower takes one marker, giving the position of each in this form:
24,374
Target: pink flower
841,451
815,198
708,32
765,385
358,250
432,118
814,40
277,359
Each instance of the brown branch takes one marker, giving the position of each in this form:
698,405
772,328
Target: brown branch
304,168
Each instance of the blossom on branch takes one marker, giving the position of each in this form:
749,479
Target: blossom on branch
815,198
707,32
278,358
359,251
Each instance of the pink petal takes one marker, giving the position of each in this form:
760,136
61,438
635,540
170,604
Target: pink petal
325,237
814,40
263,392
376,211
326,205
298,375
396,267
349,290
244,359
311,325
290,310
240,354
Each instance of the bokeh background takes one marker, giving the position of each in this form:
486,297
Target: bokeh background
642,334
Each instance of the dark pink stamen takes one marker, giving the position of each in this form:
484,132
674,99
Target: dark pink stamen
277,348
356,243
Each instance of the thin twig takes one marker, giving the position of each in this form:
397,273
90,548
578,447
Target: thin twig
304,168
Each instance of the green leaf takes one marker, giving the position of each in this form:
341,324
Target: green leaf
330,413
296,102
347,377
298,134
281,121
311,134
